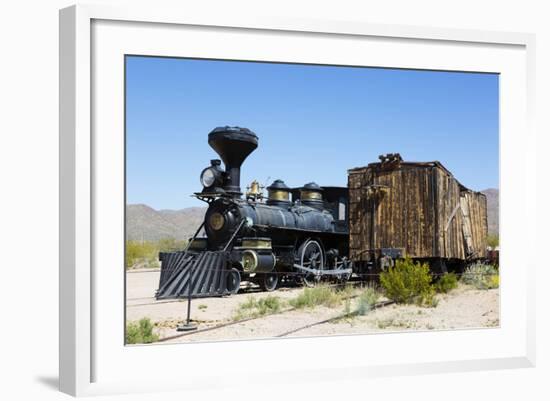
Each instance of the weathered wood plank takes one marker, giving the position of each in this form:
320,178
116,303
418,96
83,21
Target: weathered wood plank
413,206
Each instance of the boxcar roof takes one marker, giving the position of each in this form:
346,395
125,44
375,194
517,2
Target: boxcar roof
393,166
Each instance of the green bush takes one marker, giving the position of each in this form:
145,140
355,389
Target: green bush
269,304
144,254
171,245
140,253
140,332
446,283
481,276
409,282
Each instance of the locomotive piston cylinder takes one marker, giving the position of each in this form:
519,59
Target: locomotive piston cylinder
257,255
258,261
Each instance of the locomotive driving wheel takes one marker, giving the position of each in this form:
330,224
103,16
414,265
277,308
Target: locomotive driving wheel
311,256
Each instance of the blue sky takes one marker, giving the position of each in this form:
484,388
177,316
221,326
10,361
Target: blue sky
313,122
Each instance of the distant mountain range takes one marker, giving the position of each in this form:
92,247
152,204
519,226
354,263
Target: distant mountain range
146,223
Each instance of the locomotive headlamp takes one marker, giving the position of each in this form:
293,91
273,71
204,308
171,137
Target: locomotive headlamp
212,176
208,177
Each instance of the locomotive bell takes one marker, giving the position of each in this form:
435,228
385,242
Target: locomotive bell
278,193
233,144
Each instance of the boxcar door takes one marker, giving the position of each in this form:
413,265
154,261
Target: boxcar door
466,225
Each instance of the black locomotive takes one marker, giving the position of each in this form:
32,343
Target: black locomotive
298,234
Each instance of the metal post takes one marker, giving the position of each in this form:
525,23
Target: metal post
188,326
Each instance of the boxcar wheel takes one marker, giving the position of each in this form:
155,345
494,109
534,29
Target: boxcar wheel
233,281
439,267
269,281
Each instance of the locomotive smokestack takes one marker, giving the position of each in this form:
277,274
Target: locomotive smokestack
233,144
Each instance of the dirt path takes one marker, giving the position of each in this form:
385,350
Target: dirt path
463,307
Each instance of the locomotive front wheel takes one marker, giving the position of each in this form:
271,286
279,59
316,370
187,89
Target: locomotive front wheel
233,281
269,281
311,256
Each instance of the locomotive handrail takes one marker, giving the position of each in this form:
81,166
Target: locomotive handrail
234,234
194,237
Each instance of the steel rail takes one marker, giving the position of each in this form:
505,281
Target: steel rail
227,324
334,318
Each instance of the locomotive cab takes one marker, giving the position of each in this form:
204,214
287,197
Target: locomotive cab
337,201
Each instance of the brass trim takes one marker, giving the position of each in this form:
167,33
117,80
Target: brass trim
278,195
216,221
256,243
310,195
245,261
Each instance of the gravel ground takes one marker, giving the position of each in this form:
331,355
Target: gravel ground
463,307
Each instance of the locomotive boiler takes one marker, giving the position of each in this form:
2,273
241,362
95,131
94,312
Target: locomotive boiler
298,234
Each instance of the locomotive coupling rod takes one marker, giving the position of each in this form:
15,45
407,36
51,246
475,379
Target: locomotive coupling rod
323,272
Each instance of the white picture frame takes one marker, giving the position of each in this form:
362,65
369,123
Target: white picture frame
92,39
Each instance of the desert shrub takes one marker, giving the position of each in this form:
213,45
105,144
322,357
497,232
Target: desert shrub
409,282
481,276
141,253
347,306
144,254
346,291
446,283
494,281
258,307
140,332
367,300
171,245
321,295
269,304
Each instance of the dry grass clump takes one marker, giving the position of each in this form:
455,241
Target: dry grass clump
367,300
481,276
258,307
321,295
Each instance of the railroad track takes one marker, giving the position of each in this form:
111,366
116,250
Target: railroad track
284,334
332,319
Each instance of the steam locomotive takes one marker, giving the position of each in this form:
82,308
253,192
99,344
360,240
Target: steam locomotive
396,208
298,234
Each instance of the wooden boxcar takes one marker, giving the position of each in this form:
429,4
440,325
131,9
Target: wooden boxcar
417,209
